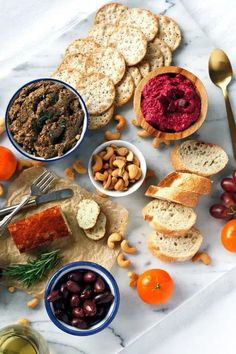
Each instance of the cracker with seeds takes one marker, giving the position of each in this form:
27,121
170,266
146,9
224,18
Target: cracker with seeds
100,120
70,76
102,32
154,56
98,92
110,13
84,46
130,42
135,73
107,61
124,90
169,31
165,50
143,19
144,68
74,61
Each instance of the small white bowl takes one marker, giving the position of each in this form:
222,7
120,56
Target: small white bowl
132,188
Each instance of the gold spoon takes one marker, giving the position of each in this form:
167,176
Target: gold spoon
221,73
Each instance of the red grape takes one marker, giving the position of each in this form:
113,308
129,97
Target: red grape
219,211
234,176
228,184
228,199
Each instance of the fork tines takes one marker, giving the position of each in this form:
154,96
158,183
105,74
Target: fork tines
44,180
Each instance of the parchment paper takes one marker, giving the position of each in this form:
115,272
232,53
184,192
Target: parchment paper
75,248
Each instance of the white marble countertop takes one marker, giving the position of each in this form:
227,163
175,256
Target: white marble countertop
206,322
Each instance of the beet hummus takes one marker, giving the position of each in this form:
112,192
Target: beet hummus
170,102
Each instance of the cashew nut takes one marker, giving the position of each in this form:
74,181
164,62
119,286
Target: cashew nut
143,134
113,238
102,153
113,182
126,178
115,173
69,174
136,161
121,121
106,184
133,171
109,135
157,142
126,248
119,163
33,303
133,279
139,174
202,256
109,153
79,168
97,166
101,176
130,156
2,125
23,322
120,184
1,190
122,261
11,289
112,159
122,151
135,123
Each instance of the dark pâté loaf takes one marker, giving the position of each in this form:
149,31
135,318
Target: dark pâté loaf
39,229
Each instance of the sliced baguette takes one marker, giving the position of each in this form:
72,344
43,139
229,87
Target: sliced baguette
187,182
170,218
175,249
88,213
173,194
99,230
199,157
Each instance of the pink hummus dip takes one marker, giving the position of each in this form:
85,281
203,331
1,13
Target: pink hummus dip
170,102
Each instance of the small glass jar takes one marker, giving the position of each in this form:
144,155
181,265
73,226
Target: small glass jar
17,339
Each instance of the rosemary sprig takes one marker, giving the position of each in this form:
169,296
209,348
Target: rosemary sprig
32,271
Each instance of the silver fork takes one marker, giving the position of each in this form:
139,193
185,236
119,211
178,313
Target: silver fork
40,186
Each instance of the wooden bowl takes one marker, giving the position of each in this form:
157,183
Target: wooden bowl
176,135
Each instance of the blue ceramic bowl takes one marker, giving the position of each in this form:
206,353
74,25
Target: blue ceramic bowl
86,266
84,129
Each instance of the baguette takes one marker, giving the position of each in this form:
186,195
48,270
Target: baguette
99,230
199,157
188,182
175,249
88,213
173,194
170,218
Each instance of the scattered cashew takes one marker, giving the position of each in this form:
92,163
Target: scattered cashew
2,125
11,289
135,123
23,322
101,176
121,121
133,279
109,153
23,164
202,256
100,194
143,134
33,303
106,184
126,248
157,142
69,174
97,166
109,135
120,185
122,261
79,168
1,190
122,151
114,238
133,171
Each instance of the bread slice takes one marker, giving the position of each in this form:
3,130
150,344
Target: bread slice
170,218
199,157
175,249
88,213
98,231
187,182
173,194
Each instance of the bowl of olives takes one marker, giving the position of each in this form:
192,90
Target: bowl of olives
82,298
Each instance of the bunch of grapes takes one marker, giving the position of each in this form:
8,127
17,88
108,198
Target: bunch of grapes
226,210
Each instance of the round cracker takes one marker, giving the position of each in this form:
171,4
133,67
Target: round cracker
102,32
110,13
107,61
100,120
169,31
135,73
130,42
70,76
124,90
143,19
98,92
144,68
74,61
165,50
154,56
84,46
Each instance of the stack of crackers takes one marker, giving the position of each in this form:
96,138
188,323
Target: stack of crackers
123,46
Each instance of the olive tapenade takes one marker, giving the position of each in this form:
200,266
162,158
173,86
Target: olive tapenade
46,119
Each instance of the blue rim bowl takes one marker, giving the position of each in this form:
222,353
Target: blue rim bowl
38,158
105,275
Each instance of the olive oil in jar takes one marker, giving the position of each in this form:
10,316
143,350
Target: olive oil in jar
17,345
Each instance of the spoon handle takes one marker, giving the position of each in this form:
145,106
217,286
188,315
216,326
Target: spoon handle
231,121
